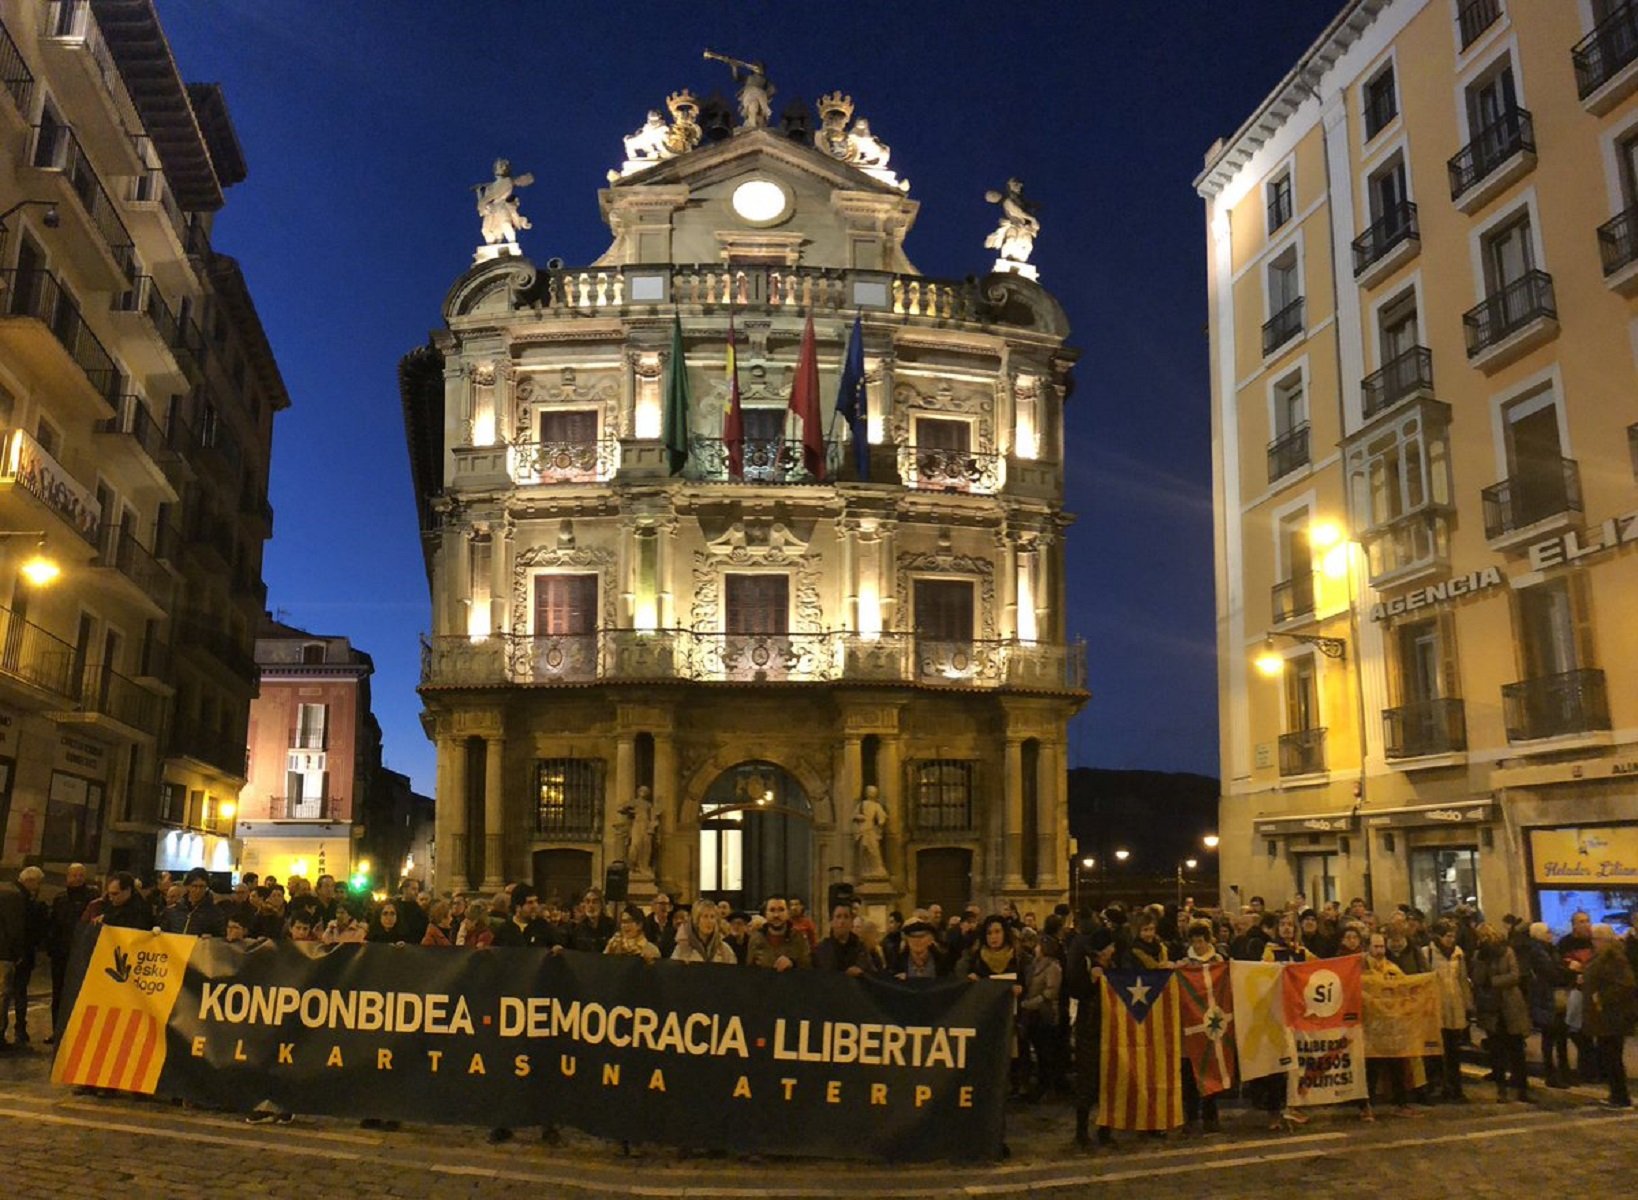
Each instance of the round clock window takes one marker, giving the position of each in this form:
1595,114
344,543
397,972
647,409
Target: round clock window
760,201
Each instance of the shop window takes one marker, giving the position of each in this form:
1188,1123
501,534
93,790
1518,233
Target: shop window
1317,877
1443,877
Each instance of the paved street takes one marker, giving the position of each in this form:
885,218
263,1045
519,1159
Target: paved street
56,1140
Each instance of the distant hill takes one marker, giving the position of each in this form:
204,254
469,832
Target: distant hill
1160,816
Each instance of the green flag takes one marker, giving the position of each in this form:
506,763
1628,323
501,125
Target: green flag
676,403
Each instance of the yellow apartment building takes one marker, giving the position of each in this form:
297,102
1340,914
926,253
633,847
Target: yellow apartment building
1422,258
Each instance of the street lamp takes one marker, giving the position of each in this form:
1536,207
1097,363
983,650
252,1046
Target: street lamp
1211,841
1085,863
1270,663
39,569
1187,864
52,218
1123,855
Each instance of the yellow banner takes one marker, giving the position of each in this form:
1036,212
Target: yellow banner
116,1033
1402,1016
1593,856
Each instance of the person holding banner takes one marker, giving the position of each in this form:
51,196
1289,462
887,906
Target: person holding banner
703,939
1449,966
1091,955
1286,947
631,940
1503,1014
1379,965
1196,1107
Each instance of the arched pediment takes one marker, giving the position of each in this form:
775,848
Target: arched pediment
492,286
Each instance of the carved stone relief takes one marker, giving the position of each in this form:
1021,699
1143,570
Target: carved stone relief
757,544
971,401
944,561
560,556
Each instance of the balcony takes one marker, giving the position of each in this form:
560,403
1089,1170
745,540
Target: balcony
1606,61
197,633
219,750
190,349
15,76
939,469
1548,491
122,555
1407,546
1409,376
26,467
303,808
141,309
777,461
105,248
1293,598
564,462
110,700
1282,327
630,656
217,447
154,667
1287,453
211,536
1510,323
153,208
254,505
1561,705
30,655
1476,16
134,429
1424,728
1618,251
1499,155
86,79
1390,242
41,326
1302,752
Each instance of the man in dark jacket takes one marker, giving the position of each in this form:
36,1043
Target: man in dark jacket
66,911
1090,955
19,927
36,919
197,912
1611,1010
525,927
594,928
410,913
123,906
920,957
842,950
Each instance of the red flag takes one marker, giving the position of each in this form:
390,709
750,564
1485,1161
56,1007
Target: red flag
805,404
1208,1025
1324,1000
1140,1084
733,422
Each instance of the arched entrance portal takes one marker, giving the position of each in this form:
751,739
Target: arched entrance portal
756,836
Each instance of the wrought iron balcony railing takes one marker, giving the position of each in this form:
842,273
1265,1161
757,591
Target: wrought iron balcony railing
627,655
1556,705
1394,227
1410,374
26,464
36,657
1543,491
1618,241
151,190
123,700
134,421
1288,452
1302,752
565,462
1497,317
220,750
120,551
764,460
1601,55
144,297
1511,133
937,469
1294,598
15,76
1282,326
1424,727
1475,17
201,633
303,808
57,149
37,294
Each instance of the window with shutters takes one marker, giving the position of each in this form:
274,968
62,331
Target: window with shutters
944,610
312,726
940,433
944,796
569,798
574,427
756,604
565,605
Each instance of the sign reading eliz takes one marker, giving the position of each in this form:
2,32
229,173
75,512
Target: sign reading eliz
1562,549
795,1063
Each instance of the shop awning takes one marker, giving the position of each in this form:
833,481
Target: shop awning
1472,812
1286,825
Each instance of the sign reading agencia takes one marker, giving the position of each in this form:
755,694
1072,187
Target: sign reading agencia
1560,550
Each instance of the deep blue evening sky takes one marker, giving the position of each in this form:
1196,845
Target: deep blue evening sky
365,123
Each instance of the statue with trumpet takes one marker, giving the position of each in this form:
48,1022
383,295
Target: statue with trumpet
755,92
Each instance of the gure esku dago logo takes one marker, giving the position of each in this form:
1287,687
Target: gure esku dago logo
120,972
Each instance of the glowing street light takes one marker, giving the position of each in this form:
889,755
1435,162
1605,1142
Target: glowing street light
1211,841
1123,855
1089,862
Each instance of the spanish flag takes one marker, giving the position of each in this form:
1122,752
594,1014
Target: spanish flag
1140,1083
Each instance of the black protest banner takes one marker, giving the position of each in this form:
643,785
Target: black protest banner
710,1057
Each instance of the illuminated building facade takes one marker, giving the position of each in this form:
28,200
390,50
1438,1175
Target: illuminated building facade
1423,250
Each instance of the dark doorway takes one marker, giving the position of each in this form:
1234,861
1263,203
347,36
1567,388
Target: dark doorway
565,874
756,836
944,876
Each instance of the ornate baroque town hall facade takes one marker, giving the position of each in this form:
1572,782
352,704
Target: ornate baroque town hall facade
755,651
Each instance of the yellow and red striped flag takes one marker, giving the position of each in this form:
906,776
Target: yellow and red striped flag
115,1037
1140,1083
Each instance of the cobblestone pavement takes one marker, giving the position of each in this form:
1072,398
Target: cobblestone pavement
55,1142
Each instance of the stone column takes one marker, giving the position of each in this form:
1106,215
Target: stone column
443,810
1012,826
494,812
1049,851
455,864
500,571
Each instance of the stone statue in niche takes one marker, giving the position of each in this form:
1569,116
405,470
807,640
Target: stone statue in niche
755,92
642,823
869,827
498,205
1014,238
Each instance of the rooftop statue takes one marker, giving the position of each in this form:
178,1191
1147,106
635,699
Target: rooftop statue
1014,238
856,146
498,209
755,92
649,141
657,141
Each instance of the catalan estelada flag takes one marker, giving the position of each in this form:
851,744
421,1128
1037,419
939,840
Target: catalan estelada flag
1208,1025
1140,1083
116,1033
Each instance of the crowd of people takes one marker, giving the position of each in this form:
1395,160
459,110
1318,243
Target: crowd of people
1574,988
